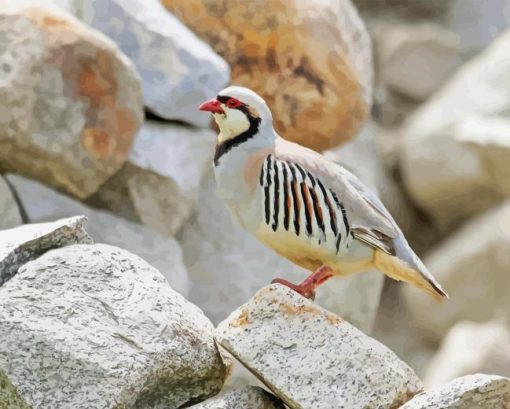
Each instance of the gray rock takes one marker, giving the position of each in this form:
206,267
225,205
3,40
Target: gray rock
22,244
478,391
249,397
311,358
471,347
471,263
9,212
94,326
70,101
178,70
476,129
159,184
41,204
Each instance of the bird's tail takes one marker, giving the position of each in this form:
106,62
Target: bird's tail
399,270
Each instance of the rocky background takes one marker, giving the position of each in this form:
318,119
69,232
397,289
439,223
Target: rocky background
101,142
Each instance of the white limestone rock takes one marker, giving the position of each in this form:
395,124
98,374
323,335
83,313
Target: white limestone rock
456,164
471,348
94,326
249,397
22,244
472,265
159,184
9,212
70,100
41,204
478,391
178,70
311,358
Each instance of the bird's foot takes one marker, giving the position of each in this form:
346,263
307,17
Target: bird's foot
308,286
306,291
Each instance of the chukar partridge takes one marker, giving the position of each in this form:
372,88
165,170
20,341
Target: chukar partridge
306,208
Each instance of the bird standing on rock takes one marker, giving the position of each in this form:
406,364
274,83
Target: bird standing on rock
309,210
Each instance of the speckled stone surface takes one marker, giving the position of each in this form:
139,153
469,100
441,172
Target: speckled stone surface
179,71
42,203
249,397
22,244
478,391
162,176
312,358
9,212
94,326
70,100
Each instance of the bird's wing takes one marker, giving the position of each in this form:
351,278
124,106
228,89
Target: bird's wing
369,220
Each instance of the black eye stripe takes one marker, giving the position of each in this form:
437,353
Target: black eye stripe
222,99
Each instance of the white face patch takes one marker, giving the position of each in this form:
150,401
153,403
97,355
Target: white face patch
232,123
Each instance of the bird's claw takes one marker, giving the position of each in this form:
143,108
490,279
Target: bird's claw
305,290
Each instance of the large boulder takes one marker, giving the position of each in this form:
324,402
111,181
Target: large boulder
159,184
249,397
42,204
311,358
178,70
456,165
22,244
311,61
471,264
478,391
94,326
70,101
9,210
471,348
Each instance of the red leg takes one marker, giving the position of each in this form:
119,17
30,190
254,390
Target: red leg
308,286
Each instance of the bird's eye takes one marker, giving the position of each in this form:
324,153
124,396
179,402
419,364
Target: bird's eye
233,103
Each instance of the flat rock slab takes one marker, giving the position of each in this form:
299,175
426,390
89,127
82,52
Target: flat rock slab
478,391
94,326
9,212
249,397
311,358
178,70
24,243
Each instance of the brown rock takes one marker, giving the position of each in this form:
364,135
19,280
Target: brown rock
310,61
70,101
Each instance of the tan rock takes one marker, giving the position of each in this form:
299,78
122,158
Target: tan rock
70,101
311,61
472,265
471,348
454,159
159,184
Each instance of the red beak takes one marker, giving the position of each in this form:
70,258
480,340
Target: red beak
213,105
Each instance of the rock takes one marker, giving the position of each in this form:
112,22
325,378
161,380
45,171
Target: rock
475,130
227,266
22,244
70,101
415,59
41,204
471,348
178,70
310,61
312,358
249,397
470,264
469,392
160,182
94,326
9,211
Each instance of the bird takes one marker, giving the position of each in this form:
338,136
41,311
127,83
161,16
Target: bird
308,209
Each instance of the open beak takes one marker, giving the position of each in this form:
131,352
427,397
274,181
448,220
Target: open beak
213,105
